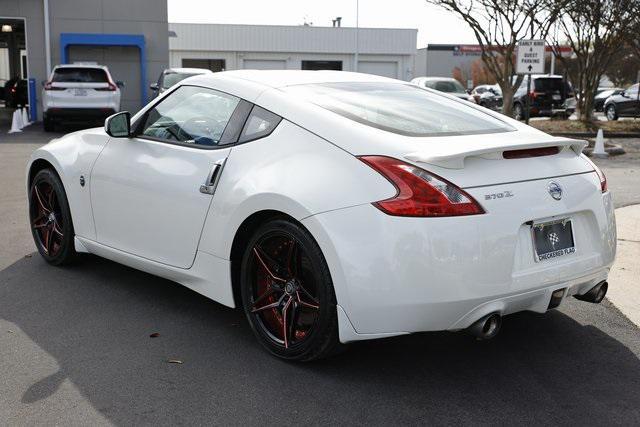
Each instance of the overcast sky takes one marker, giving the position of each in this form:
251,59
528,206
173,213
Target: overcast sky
434,25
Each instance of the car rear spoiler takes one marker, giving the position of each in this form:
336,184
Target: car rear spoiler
454,159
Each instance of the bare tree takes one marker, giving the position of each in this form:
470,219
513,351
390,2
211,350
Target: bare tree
595,30
498,26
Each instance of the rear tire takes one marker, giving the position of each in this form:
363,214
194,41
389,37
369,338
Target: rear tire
287,293
50,218
48,124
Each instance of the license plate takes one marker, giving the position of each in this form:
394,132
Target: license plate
556,97
80,92
552,239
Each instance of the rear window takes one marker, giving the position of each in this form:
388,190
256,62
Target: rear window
550,85
170,79
400,108
449,87
79,75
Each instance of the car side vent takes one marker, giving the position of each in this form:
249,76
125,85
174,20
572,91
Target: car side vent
530,152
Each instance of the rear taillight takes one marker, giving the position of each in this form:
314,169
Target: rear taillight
49,86
603,179
420,193
111,87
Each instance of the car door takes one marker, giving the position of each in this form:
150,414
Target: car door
150,193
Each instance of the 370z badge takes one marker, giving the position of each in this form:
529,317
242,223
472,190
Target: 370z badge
502,195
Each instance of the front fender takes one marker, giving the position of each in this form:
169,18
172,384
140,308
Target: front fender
73,156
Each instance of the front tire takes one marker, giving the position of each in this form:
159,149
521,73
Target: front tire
611,112
287,293
50,218
518,111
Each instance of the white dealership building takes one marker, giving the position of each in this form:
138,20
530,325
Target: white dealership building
385,52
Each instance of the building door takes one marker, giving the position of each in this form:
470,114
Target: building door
322,65
214,65
264,64
124,65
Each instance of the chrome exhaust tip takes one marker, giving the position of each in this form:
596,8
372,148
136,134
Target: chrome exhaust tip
487,327
596,294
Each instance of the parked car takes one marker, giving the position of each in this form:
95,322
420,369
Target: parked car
17,94
624,104
172,76
489,96
600,98
84,93
446,85
548,97
335,207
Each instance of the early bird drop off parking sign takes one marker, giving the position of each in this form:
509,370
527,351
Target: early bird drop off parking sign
530,58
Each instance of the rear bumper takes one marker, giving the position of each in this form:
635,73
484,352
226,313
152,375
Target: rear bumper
79,114
395,275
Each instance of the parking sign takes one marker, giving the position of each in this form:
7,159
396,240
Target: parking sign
530,59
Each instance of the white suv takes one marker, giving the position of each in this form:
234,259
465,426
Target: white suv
79,93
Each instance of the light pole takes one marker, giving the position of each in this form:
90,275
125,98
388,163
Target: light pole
355,65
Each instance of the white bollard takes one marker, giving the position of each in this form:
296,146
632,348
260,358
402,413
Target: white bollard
16,122
25,117
598,150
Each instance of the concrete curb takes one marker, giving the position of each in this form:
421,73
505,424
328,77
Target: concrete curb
624,277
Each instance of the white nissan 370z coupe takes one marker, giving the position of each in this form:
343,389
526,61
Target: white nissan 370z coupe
331,206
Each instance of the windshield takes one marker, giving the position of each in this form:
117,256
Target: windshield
79,75
172,78
605,94
400,108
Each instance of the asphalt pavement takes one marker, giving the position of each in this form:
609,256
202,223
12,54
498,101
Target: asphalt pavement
75,349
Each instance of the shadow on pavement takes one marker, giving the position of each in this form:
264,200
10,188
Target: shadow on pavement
95,319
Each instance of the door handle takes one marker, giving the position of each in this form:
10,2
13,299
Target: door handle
209,187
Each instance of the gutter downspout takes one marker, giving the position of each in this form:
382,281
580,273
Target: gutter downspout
47,38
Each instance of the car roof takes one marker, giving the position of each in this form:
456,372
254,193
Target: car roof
251,84
439,78
183,70
283,78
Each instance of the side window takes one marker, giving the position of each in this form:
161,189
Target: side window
259,124
190,115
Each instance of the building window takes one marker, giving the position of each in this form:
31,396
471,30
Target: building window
214,65
322,65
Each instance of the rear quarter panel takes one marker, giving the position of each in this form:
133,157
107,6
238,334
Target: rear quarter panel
292,171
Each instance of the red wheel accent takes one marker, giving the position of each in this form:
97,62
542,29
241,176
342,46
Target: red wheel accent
283,290
46,218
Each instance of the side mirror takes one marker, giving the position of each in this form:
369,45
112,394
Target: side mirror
118,125
154,87
120,84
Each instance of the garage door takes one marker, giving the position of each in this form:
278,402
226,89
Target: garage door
379,68
264,64
124,65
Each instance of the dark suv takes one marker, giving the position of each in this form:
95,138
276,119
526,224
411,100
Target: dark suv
548,96
16,94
